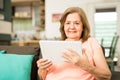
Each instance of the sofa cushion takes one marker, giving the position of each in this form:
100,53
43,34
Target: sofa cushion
26,50
15,67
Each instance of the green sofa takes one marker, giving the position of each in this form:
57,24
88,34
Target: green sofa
11,51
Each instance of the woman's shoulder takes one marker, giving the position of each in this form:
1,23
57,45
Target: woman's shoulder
92,39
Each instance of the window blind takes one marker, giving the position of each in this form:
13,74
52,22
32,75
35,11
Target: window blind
105,26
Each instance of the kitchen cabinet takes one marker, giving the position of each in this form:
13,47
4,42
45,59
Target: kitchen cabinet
22,12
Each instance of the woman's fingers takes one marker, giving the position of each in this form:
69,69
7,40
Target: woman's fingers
83,51
71,56
40,61
72,52
84,54
67,57
43,63
46,65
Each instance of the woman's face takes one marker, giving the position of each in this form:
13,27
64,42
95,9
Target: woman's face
73,26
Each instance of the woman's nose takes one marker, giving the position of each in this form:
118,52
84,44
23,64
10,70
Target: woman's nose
72,25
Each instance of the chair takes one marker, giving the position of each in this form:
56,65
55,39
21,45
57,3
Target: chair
112,49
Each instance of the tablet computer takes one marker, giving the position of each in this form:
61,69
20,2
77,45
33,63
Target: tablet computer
53,50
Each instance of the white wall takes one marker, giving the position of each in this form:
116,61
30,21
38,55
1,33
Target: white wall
118,32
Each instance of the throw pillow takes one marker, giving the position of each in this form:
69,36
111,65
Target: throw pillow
2,51
15,67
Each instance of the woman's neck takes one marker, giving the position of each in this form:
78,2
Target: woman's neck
67,39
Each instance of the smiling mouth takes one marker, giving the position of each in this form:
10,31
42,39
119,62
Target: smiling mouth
72,31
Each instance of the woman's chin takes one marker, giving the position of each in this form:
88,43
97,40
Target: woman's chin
72,38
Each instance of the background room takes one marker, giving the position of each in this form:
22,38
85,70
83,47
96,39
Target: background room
25,22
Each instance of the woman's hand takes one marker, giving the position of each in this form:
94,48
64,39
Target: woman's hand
72,56
43,64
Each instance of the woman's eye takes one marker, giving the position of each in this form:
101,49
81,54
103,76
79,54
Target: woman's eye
77,23
67,23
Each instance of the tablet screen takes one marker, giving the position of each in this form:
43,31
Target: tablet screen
52,50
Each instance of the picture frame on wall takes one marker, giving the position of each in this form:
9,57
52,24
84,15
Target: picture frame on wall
56,17
1,4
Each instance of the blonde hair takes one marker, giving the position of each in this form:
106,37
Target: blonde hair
86,28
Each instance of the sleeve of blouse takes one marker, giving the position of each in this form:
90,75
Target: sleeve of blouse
95,46
94,43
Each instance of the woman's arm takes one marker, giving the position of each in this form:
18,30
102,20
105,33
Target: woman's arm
100,70
42,74
43,65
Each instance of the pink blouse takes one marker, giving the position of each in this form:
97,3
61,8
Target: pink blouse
67,71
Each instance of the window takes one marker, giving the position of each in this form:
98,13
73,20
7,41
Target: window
105,25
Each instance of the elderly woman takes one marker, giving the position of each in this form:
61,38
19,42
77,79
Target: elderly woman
91,65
